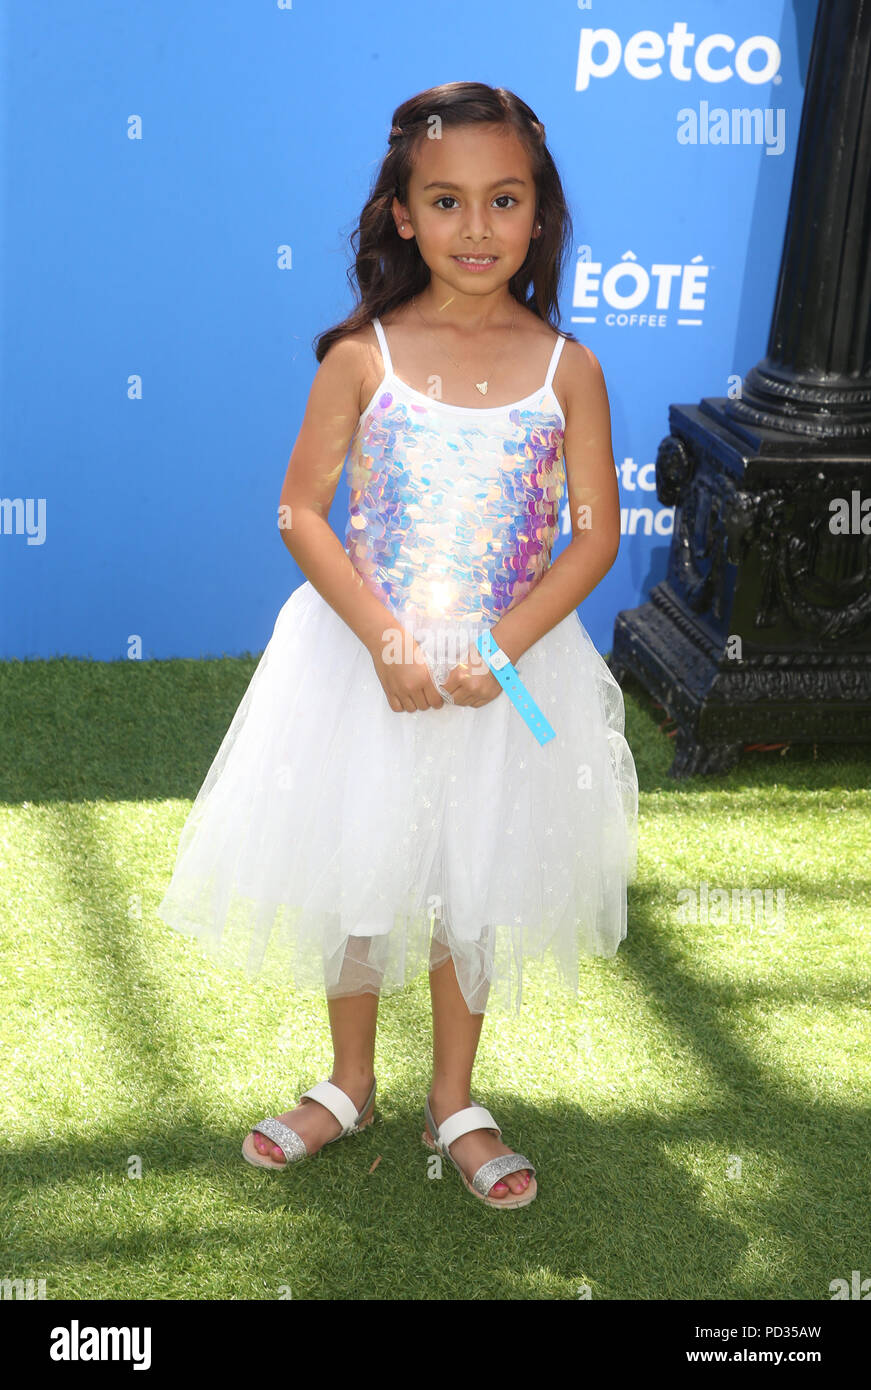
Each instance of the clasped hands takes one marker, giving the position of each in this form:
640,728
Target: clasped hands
409,686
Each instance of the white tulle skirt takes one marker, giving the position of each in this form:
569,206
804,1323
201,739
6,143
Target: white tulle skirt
340,846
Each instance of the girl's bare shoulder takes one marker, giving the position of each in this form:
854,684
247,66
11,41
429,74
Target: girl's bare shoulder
578,375
535,341
361,358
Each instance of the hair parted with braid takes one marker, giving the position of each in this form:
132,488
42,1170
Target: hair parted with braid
388,269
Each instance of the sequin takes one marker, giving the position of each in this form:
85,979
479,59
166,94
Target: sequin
452,518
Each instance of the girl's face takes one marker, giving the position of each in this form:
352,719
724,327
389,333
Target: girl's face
471,193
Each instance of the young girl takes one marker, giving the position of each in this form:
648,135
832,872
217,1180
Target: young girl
428,766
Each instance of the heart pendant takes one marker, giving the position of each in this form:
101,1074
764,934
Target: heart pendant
482,387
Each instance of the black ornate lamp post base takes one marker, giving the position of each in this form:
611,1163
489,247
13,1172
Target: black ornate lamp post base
654,641
761,631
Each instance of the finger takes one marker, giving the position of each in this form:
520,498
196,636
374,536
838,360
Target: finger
422,696
429,694
402,704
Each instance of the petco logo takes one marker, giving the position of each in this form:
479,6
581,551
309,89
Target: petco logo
600,51
652,291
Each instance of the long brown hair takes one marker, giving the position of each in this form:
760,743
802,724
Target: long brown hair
389,270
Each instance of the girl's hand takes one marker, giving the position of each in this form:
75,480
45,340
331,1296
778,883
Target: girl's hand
472,682
401,667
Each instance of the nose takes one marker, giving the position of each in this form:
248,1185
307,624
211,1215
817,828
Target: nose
476,224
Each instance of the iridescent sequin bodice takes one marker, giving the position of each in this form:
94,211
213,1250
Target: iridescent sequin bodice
454,509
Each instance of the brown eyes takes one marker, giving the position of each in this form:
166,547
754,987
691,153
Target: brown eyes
451,197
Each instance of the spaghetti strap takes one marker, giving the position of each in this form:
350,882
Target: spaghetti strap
388,361
554,358
382,343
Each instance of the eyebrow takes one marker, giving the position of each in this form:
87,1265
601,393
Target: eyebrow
458,186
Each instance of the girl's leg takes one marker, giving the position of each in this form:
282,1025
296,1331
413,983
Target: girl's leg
353,1022
455,1034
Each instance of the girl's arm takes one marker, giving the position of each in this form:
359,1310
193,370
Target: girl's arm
594,505
331,417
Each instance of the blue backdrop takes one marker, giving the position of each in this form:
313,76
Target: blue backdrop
180,182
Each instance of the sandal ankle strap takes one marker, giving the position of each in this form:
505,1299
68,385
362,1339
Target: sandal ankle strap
340,1104
460,1123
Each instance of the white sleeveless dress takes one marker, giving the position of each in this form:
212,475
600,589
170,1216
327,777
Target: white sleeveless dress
340,846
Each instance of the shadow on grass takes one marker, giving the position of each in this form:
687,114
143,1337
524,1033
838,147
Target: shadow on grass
619,1207
616,1209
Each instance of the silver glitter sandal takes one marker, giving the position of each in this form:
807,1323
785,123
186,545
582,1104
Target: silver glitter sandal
291,1144
463,1122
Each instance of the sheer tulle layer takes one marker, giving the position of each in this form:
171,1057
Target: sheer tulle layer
343,847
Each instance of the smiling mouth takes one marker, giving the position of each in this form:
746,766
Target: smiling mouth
476,260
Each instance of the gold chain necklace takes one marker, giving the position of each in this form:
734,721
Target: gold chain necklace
479,385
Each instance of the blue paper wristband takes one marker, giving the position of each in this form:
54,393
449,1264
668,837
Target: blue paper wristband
507,676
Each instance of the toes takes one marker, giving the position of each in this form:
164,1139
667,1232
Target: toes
267,1148
516,1182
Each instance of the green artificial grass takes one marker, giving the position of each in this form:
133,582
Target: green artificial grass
698,1117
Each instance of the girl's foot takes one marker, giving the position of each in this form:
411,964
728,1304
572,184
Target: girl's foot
313,1122
475,1148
